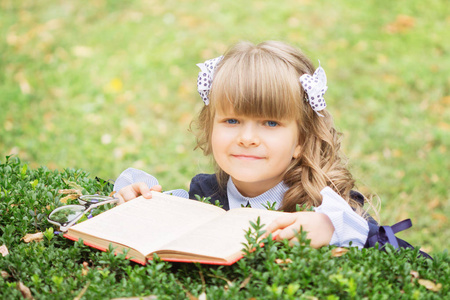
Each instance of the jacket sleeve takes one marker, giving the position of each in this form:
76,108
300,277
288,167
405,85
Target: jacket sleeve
205,185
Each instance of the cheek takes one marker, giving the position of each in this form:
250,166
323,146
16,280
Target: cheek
217,142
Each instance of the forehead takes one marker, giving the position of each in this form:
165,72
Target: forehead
257,88
257,108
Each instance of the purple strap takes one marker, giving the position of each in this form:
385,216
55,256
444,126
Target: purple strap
386,234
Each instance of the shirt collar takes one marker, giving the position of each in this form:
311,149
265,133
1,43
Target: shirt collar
274,195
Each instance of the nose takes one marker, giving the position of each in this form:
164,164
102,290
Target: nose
249,135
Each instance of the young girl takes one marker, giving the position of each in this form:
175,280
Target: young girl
273,144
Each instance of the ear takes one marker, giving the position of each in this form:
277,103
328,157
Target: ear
297,151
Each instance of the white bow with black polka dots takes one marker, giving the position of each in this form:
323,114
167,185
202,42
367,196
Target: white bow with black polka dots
205,77
315,87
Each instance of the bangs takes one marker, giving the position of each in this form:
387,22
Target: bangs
257,84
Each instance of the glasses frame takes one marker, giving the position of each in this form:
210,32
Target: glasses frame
86,202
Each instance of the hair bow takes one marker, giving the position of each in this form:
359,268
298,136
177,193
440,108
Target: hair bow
315,87
205,77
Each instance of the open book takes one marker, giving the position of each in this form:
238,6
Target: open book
176,229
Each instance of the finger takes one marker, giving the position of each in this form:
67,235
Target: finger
293,241
141,188
156,188
281,223
278,225
119,196
289,232
127,193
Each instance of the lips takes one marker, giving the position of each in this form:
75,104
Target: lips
246,156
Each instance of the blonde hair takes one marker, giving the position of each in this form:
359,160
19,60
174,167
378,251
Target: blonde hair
263,81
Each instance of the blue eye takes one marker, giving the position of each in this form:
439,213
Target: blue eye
232,121
271,123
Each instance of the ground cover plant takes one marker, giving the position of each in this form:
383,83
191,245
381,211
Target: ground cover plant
52,267
112,84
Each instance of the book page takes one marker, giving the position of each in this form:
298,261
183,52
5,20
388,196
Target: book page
147,224
221,237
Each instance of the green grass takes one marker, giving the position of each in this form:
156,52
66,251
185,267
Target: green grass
105,85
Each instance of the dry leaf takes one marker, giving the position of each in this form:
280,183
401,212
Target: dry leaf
4,250
401,24
339,251
188,294
82,51
279,261
430,285
112,194
81,293
414,274
30,237
69,191
229,283
26,293
73,184
85,270
4,274
444,126
440,217
245,282
151,297
434,203
68,197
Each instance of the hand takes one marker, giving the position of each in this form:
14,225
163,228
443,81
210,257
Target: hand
135,190
317,225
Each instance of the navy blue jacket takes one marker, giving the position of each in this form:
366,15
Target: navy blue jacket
205,185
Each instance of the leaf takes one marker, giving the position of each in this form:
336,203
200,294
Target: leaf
26,293
82,51
245,282
4,274
73,185
279,261
402,23
430,285
30,237
414,274
434,203
81,293
188,294
4,250
229,282
85,270
68,197
34,183
440,217
339,251
69,191
151,297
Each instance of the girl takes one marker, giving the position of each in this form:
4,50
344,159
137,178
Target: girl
274,144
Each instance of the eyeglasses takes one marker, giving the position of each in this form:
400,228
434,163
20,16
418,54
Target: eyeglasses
66,216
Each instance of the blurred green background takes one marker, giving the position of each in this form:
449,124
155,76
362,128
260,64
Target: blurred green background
106,85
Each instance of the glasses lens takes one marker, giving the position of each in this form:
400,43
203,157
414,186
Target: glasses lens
93,199
66,213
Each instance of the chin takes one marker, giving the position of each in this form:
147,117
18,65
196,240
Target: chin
242,177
